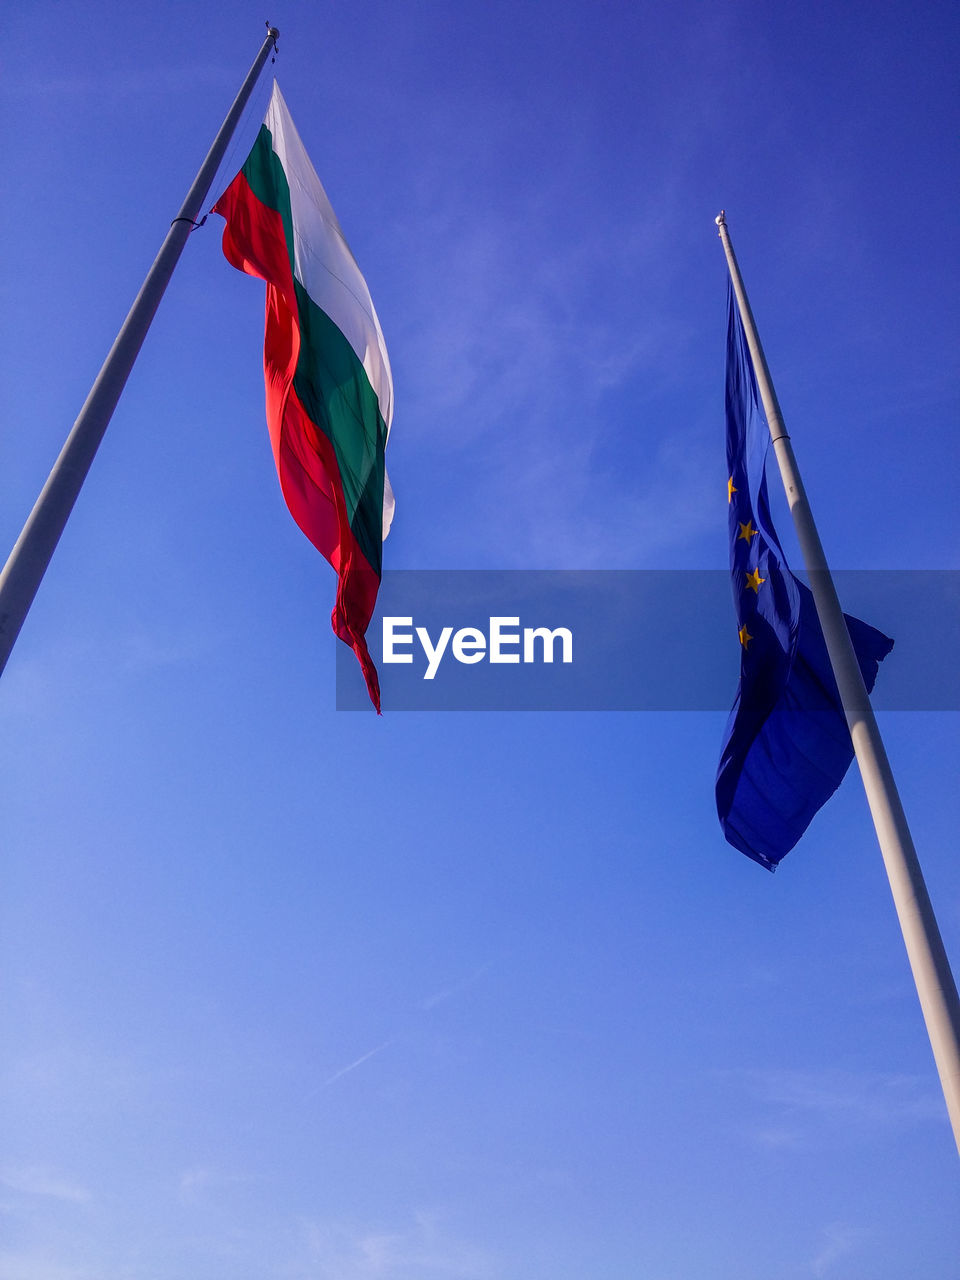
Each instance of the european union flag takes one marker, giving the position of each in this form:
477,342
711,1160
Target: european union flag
787,746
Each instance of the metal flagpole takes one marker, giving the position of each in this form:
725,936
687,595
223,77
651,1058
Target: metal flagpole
29,559
928,959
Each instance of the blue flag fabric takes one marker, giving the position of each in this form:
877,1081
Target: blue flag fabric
786,746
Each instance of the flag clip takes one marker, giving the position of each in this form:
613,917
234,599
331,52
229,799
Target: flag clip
194,225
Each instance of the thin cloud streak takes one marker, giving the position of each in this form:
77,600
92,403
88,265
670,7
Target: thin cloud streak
160,81
854,1098
35,1181
196,1182
421,1249
426,1005
840,1240
35,1266
351,1066
447,993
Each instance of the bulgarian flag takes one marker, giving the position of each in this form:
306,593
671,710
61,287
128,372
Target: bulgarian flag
328,382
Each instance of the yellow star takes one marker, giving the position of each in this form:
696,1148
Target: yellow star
731,489
747,532
754,580
745,636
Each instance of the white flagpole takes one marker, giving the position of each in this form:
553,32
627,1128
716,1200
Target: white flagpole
928,959
28,561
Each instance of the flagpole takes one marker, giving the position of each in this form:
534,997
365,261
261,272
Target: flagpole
928,959
28,561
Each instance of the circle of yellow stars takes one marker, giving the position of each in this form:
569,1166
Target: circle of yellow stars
754,581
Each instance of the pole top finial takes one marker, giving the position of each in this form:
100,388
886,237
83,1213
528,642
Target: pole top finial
721,218
273,33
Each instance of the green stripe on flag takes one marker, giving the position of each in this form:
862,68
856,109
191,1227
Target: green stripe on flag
330,380
334,389
268,182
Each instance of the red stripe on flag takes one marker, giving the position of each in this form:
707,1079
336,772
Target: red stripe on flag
307,465
254,242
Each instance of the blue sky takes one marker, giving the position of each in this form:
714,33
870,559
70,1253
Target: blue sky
319,996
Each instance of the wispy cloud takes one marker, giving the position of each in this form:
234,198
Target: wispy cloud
839,1241
542,370
426,1005
37,1181
37,682
195,1183
447,993
143,652
123,83
846,1100
780,1138
351,1066
37,1266
424,1248
511,334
